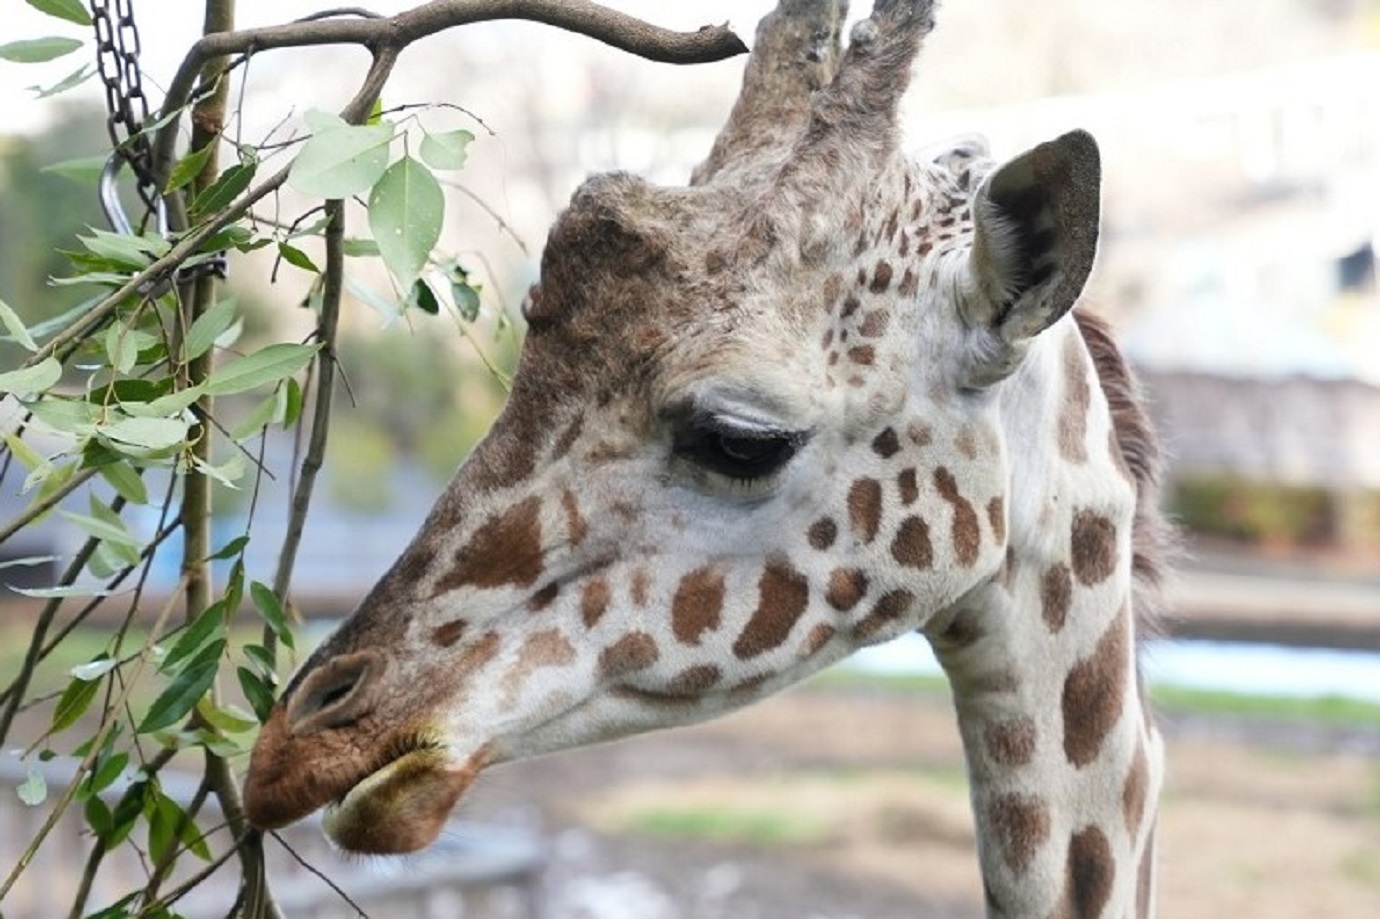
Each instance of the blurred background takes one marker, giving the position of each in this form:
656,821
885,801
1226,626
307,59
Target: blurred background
1241,145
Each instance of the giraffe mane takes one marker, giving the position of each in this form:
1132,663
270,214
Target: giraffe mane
1154,545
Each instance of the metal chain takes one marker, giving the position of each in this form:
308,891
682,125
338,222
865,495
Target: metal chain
117,60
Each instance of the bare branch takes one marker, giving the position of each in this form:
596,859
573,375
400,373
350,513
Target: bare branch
392,35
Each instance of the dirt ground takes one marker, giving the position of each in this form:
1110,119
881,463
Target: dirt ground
833,804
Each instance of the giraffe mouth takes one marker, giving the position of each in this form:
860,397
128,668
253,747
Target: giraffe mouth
403,804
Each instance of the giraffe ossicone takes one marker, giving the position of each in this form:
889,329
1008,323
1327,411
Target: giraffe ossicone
823,396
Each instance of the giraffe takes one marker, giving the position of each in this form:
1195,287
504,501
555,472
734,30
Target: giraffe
823,396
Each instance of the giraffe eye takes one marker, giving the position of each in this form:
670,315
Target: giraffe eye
735,449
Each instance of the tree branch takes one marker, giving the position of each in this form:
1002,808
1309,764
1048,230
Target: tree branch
393,34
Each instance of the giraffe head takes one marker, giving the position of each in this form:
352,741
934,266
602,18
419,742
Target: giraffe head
751,430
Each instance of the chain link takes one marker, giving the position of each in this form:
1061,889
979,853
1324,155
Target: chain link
117,60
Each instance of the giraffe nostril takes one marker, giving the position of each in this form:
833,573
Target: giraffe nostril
338,692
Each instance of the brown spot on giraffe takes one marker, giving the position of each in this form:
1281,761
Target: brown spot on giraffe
594,601
881,278
1011,743
504,551
875,324
693,681
1073,411
827,340
544,597
638,590
449,633
920,434
782,595
568,437
964,532
574,521
822,533
966,443
996,518
547,648
833,286
863,354
1089,875
850,306
846,588
697,605
910,282
886,611
865,508
1094,693
1136,791
911,546
1020,825
908,486
886,444
819,636
629,654
1093,548
1056,593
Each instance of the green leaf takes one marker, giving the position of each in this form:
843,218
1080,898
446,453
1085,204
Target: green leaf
297,258
424,298
98,815
268,365
341,160
446,151
38,50
126,482
355,247
466,301
210,623
186,689
71,590
15,326
122,250
71,81
72,416
73,703
271,609
147,433
257,692
208,327
191,165
70,10
29,380
290,403
258,418
121,349
226,718
228,186
85,169
102,529
33,791
232,548
107,770
26,454
94,669
165,406
265,661
405,212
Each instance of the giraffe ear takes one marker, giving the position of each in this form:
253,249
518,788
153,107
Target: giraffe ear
1036,236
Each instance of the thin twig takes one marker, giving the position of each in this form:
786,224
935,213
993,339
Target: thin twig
320,875
326,328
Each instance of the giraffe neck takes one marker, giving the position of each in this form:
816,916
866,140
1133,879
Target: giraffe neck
1063,759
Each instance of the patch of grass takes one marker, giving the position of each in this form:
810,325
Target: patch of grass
727,824
1363,867
848,678
1335,710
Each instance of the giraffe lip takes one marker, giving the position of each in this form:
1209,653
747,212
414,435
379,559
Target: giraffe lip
402,805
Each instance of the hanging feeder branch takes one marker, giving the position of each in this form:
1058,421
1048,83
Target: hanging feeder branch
387,37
